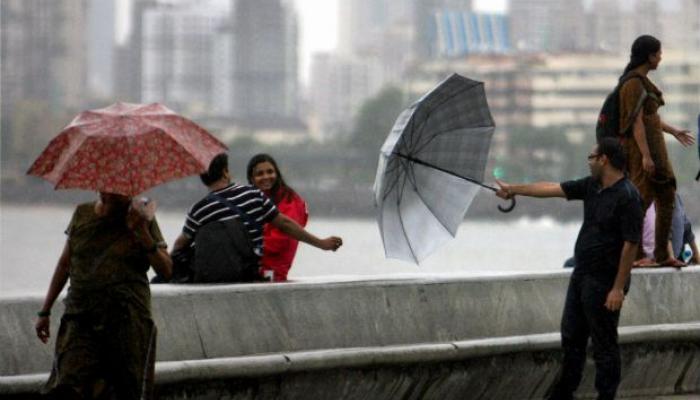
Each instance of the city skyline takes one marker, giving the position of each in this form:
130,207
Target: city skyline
318,26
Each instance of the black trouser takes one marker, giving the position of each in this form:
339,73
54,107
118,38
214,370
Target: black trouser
585,316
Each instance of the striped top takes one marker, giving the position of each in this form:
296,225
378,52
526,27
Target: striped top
247,198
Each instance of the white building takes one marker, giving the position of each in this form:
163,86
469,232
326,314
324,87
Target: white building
567,90
265,62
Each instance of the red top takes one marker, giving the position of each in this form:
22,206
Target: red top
278,248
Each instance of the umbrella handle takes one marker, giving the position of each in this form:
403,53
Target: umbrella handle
500,208
509,208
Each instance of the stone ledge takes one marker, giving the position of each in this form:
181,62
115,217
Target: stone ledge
221,369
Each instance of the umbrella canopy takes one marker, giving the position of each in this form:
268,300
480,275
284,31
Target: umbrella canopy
431,167
126,149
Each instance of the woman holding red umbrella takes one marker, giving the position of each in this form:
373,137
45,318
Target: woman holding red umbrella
278,248
106,340
105,346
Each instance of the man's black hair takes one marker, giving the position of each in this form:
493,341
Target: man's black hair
612,149
217,166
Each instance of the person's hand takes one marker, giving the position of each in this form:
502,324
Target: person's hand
504,190
331,243
42,328
615,299
684,137
694,260
648,165
141,212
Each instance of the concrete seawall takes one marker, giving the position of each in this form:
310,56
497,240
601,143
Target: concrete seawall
439,337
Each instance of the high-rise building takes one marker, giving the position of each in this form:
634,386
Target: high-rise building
380,34
178,57
463,33
547,25
425,25
43,65
383,30
43,51
360,23
128,55
265,61
605,26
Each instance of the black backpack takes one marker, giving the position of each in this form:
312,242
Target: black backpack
224,253
224,250
609,118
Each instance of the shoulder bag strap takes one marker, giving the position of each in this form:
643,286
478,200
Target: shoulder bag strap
244,216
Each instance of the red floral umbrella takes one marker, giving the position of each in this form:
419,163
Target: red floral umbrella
126,149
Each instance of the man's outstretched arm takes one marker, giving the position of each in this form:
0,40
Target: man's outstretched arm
537,189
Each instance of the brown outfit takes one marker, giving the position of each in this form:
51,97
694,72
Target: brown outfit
105,346
661,186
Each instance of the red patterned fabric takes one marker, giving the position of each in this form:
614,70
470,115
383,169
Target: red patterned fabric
126,149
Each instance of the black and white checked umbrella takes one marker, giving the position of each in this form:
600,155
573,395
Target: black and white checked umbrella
431,166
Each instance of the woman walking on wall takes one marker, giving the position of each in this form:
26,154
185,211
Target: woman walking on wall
648,162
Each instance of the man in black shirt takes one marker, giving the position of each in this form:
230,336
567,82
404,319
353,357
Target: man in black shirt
605,250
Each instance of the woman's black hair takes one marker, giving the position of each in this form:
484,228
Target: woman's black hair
216,169
643,47
612,149
280,190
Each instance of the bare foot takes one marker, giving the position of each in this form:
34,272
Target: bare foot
645,263
673,262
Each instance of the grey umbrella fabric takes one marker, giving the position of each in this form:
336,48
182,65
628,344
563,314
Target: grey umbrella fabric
431,167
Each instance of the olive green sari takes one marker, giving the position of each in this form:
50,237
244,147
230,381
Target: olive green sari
105,346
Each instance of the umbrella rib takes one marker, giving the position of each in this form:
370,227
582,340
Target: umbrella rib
177,139
420,195
63,160
450,97
413,130
472,180
393,183
391,187
403,228
437,106
131,165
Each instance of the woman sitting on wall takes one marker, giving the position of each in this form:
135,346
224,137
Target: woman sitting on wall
278,249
